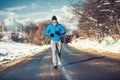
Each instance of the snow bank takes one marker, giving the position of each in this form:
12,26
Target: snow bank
11,51
107,45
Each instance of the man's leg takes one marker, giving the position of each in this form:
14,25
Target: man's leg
59,49
59,46
54,56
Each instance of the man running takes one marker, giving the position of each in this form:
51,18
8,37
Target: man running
55,30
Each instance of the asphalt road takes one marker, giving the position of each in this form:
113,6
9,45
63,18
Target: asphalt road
76,65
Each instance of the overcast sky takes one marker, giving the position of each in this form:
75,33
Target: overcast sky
32,8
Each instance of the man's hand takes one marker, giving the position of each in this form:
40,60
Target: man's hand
57,32
51,35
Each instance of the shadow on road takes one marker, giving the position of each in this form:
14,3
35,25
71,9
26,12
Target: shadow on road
89,59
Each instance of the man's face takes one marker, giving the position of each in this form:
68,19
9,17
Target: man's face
54,22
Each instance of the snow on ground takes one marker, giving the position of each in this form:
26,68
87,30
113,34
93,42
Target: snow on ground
12,51
107,45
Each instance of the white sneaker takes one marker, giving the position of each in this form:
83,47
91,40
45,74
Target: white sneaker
54,64
59,63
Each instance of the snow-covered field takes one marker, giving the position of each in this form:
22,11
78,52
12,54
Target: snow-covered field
12,51
107,45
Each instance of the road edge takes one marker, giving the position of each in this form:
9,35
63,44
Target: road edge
96,52
9,64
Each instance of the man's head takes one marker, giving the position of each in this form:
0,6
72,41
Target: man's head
54,20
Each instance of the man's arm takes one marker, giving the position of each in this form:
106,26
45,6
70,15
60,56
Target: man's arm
62,30
47,30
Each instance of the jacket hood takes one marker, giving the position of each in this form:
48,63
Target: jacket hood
56,23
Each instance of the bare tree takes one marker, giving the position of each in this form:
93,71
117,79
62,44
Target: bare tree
2,26
98,17
2,29
35,33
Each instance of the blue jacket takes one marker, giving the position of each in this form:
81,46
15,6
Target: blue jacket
51,30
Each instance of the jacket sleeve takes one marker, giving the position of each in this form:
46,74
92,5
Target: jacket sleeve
62,30
47,31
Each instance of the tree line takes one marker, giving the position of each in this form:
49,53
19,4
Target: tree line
33,32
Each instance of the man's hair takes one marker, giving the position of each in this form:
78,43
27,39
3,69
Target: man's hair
54,18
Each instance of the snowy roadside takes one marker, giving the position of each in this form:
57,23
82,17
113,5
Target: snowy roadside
108,45
12,51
